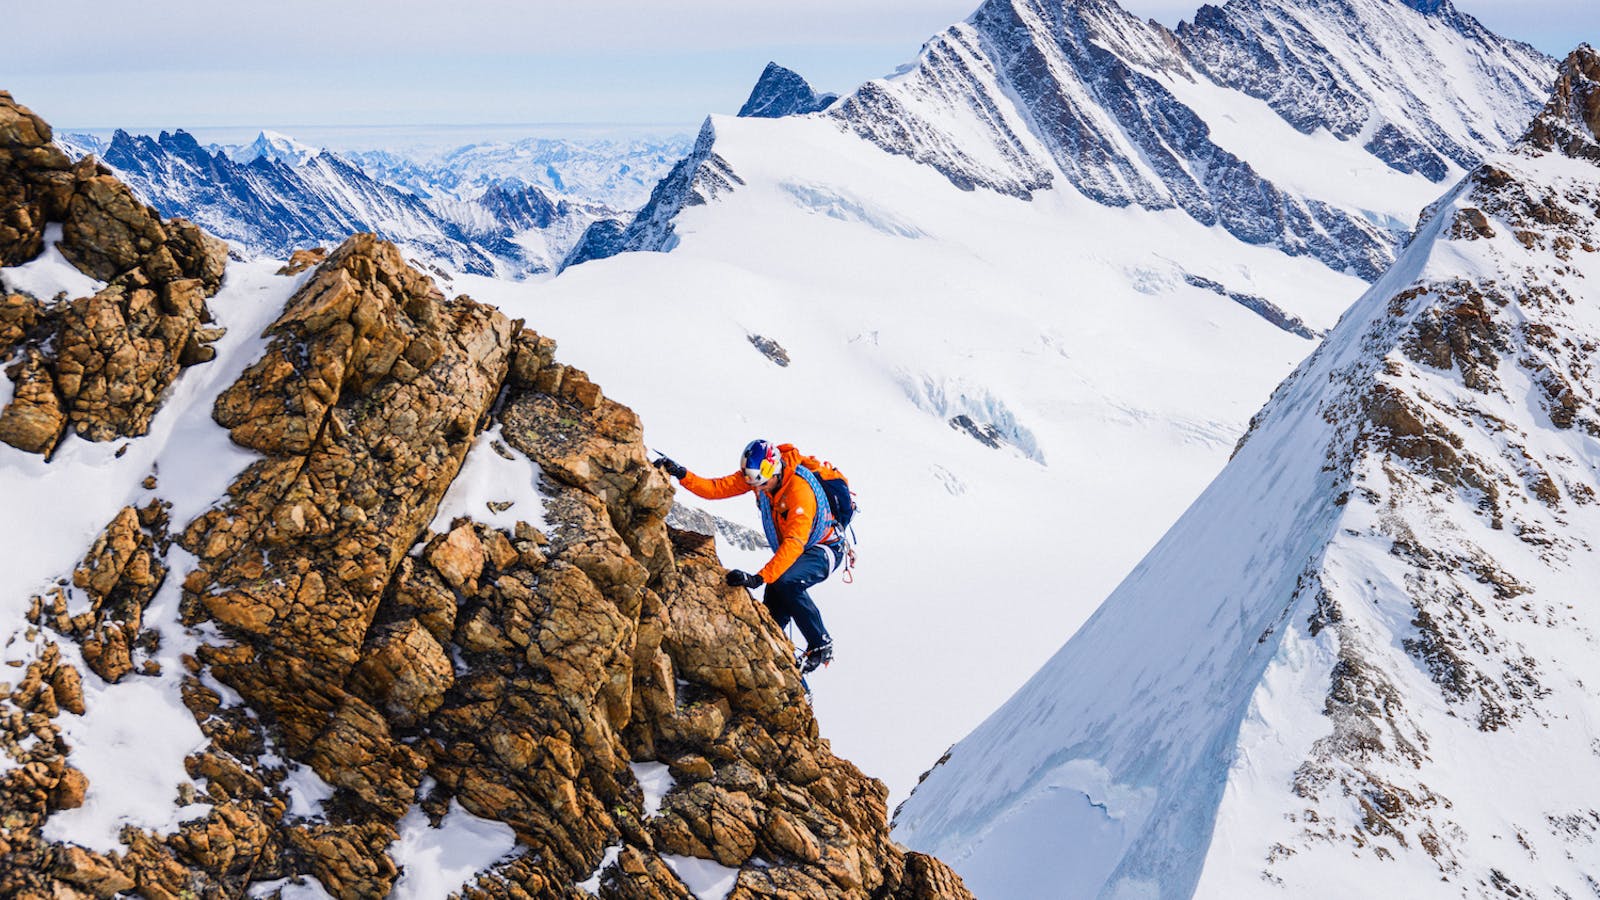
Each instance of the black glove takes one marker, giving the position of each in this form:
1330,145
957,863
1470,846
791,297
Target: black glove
671,468
737,578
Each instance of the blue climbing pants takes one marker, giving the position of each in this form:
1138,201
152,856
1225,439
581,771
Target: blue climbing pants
787,598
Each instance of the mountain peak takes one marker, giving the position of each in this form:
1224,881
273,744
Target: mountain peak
783,92
1570,123
275,145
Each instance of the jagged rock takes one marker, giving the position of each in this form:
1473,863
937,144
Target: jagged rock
117,351
35,182
108,231
92,872
114,354
516,672
349,860
696,179
120,575
457,556
365,404
927,877
33,420
301,260
783,92
1570,123
771,349
19,313
406,673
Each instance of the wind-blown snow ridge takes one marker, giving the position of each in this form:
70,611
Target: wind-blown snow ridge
1382,598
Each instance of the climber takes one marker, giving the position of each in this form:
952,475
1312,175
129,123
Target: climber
807,544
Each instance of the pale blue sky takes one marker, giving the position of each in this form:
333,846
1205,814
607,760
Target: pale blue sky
187,63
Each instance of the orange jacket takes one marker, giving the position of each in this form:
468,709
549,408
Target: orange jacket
794,508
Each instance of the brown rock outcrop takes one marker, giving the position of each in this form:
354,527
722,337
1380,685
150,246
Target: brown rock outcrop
365,405
1570,122
111,356
33,420
35,182
517,673
19,314
121,573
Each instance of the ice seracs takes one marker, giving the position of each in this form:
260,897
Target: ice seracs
1365,655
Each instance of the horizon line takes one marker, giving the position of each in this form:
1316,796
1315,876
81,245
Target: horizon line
274,126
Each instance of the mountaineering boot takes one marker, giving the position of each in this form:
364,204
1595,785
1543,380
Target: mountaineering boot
817,657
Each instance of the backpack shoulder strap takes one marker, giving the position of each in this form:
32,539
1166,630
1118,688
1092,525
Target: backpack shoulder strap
824,517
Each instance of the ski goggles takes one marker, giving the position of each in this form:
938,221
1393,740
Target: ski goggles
761,475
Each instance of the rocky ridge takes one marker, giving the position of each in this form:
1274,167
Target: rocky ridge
1077,89
1399,604
698,178
783,92
517,674
1322,65
95,365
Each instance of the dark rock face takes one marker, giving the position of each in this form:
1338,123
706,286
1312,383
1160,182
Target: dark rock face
602,239
1067,87
952,64
517,207
696,179
782,92
1261,306
1268,51
98,365
516,672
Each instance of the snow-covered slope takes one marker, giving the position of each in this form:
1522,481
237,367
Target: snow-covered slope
1366,655
1027,93
1316,128
918,321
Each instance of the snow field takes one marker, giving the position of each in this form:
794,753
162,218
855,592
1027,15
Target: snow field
1050,320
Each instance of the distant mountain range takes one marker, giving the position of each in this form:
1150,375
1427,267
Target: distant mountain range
1028,96
512,209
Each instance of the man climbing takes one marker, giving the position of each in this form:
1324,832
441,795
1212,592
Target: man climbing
807,544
